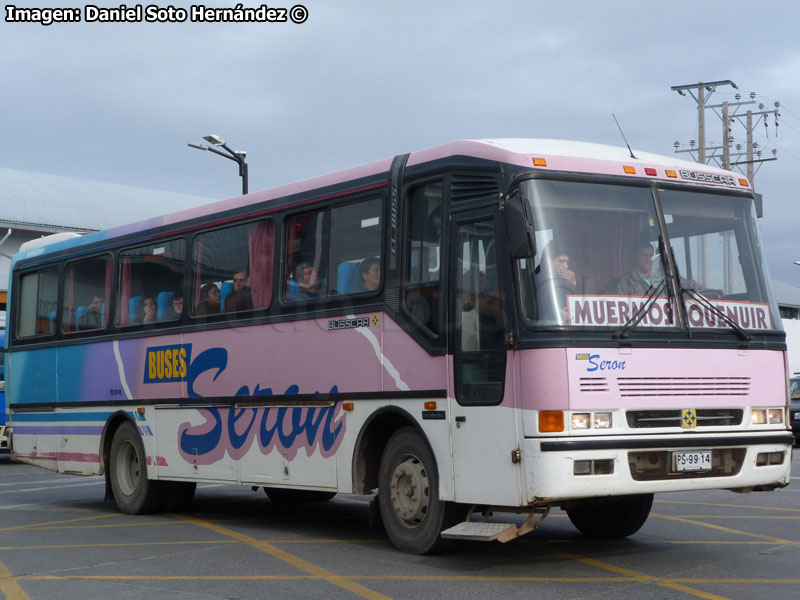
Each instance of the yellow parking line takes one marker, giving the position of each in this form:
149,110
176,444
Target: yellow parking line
136,524
775,508
637,576
166,577
674,582
726,529
120,545
330,541
688,590
739,517
9,586
34,525
295,561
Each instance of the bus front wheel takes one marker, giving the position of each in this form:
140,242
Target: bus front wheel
408,492
134,493
610,518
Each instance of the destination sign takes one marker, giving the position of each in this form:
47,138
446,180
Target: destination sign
616,311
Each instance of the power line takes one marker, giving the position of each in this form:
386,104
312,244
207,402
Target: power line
740,112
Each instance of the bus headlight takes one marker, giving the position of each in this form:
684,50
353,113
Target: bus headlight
598,420
581,420
602,420
764,416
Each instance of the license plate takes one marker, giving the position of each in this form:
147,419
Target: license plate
691,460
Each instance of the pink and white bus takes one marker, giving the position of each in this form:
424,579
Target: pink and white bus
477,328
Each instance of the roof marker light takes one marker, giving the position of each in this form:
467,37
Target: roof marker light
743,182
650,171
671,173
539,162
629,170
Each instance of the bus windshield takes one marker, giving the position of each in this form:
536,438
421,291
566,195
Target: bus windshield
599,261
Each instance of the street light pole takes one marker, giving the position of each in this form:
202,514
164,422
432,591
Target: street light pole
237,156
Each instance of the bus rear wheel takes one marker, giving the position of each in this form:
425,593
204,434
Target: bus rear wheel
611,518
134,493
408,493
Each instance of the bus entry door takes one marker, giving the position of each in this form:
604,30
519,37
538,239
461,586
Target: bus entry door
483,418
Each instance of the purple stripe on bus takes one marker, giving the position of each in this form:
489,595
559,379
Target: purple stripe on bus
58,430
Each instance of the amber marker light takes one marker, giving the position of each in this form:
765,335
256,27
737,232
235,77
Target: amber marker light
347,406
744,182
539,162
629,170
140,410
671,173
430,405
551,421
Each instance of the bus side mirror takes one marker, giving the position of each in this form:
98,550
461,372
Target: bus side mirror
521,239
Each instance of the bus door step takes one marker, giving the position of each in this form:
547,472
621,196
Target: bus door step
485,531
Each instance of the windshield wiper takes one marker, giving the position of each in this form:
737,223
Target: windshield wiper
720,314
635,319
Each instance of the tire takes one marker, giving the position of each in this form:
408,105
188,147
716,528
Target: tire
134,493
408,492
613,518
179,495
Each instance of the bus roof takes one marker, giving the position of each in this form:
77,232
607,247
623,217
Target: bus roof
550,154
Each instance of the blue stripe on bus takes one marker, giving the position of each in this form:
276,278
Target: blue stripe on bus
44,417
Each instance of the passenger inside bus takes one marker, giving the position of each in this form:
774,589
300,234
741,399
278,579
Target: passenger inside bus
93,317
148,311
209,303
239,299
370,270
308,282
554,282
175,308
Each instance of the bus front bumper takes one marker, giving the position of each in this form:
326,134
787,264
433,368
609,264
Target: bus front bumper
587,467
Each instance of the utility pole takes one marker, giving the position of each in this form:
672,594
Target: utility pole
701,92
701,122
726,138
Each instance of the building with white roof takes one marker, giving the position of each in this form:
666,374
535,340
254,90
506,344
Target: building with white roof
35,204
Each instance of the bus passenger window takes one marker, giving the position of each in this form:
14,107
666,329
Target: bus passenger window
356,247
87,284
38,303
233,269
421,290
150,283
307,257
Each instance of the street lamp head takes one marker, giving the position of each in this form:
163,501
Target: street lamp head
797,262
214,139
242,153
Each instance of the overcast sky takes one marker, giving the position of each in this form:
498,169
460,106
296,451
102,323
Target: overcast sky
361,81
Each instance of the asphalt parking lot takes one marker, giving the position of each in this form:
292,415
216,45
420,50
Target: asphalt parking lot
59,539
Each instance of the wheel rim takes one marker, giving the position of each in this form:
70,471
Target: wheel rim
410,491
127,469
